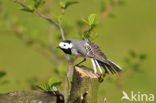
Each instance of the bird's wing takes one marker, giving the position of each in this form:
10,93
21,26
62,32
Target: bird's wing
94,51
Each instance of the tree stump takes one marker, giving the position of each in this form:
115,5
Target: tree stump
84,86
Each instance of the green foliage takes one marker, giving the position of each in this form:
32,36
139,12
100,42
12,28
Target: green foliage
44,86
37,4
32,82
60,18
2,74
102,5
132,54
91,22
48,86
55,82
134,60
30,9
142,56
66,4
121,2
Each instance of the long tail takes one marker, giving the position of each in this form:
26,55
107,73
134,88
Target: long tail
112,67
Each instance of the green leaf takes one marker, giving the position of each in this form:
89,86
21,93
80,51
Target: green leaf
60,18
142,56
43,86
66,4
54,82
63,4
132,54
2,74
27,10
85,21
92,19
38,3
69,3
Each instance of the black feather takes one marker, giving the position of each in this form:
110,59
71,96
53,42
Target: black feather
114,66
67,51
67,41
110,66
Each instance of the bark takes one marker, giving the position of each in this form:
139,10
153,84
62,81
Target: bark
27,97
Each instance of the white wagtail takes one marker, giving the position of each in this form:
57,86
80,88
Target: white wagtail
85,48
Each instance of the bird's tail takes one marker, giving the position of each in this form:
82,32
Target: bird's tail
112,67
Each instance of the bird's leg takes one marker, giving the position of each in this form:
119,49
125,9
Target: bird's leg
81,61
98,66
94,65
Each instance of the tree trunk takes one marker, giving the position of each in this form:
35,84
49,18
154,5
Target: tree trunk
84,89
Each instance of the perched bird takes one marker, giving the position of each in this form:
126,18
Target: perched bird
85,48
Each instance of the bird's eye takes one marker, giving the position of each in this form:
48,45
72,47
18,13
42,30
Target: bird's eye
64,45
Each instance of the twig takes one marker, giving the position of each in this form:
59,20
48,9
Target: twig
44,17
48,19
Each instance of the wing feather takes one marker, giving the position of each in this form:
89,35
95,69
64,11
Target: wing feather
93,51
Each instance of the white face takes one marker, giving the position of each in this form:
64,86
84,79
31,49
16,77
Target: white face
65,45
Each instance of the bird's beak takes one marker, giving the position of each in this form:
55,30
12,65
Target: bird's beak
58,47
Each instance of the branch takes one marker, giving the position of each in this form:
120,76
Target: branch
31,97
44,17
58,25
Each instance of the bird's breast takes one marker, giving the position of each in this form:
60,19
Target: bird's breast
76,53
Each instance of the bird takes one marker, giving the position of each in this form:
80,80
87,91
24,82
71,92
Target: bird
87,49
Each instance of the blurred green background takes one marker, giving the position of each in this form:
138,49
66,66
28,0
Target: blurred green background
129,29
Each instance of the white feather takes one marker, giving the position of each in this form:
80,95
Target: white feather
94,65
65,45
98,66
115,64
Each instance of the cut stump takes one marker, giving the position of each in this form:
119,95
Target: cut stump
84,86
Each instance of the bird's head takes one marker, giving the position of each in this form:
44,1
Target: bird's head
66,46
